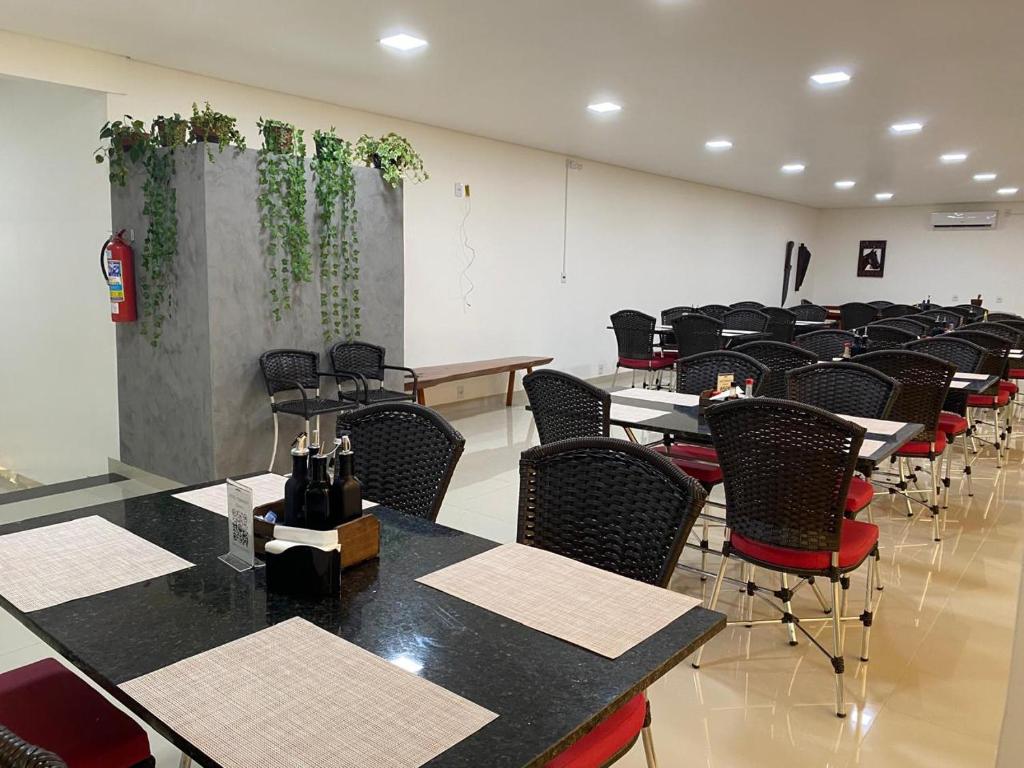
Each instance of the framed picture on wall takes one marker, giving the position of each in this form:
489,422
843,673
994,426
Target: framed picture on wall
871,258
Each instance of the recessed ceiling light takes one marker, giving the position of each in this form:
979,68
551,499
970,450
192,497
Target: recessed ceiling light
906,127
953,157
793,168
984,177
845,184
831,78
718,145
883,196
403,42
604,106
1007,191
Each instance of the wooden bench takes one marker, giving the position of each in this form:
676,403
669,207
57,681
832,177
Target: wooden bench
433,375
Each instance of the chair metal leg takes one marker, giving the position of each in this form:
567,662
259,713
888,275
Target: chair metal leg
837,651
714,601
869,606
934,500
185,761
704,552
273,454
645,734
615,376
903,486
817,593
967,465
787,606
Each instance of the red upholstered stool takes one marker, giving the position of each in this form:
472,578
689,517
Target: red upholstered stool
51,707
611,739
651,364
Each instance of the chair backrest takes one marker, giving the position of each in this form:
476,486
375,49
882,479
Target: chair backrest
1018,324
897,310
1002,330
997,349
882,336
855,314
404,455
668,315
285,369
924,382
15,752
939,317
847,389
965,312
696,332
880,304
700,372
973,312
358,357
825,344
910,324
812,312
746,320
781,323
612,504
746,305
778,358
634,334
716,311
565,407
965,355
787,469
1001,317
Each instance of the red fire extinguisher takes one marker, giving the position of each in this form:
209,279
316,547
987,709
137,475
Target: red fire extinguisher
117,262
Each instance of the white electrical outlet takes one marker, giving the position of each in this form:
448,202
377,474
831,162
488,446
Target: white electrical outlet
460,189
564,278
999,299
955,297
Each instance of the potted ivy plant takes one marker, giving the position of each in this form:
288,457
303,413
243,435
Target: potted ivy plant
214,127
128,141
393,155
170,131
278,136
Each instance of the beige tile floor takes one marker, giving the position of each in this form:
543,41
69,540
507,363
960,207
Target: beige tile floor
932,695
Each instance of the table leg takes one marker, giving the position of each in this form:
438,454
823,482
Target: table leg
511,386
419,397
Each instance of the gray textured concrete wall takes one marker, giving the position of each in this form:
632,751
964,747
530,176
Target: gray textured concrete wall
224,275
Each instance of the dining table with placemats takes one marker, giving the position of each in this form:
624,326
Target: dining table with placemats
178,633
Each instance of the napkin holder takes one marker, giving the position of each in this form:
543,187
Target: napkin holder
359,538
304,570
704,400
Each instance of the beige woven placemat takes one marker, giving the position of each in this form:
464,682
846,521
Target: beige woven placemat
56,563
598,610
296,695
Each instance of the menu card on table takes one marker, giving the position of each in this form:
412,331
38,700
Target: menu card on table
297,695
587,606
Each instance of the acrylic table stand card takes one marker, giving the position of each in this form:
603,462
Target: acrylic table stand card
241,553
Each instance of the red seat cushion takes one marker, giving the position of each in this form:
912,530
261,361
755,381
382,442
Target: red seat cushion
923,447
51,707
609,737
860,494
655,363
988,401
856,542
1008,386
669,353
703,471
689,451
1016,373
952,424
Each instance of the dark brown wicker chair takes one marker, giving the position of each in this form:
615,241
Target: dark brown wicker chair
696,373
366,361
856,314
405,455
880,305
634,335
613,505
936,317
746,305
696,332
668,315
15,752
811,312
781,323
897,310
1002,317
565,407
778,358
827,345
787,471
881,336
845,389
716,311
1002,330
290,370
911,324
746,320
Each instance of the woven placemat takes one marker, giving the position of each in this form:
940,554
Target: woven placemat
56,563
598,610
296,695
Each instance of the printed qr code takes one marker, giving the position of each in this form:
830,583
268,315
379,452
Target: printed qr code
239,534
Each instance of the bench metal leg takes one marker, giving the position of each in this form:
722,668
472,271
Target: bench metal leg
511,386
419,397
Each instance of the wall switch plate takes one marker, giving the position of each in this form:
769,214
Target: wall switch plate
574,165
564,278
460,189
460,391
955,297
999,299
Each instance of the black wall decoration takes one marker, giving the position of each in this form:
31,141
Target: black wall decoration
871,258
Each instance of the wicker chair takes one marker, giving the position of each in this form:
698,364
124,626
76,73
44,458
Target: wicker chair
996,363
812,312
1018,324
366,362
634,335
781,323
405,455
882,336
924,384
856,314
616,506
565,407
746,305
716,311
1000,317
696,373
778,358
827,345
746,320
941,317
880,305
787,471
966,314
897,310
974,313
668,315
910,324
1002,330
696,332
289,370
15,752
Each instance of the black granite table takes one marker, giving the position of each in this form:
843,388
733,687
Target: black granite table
547,693
684,422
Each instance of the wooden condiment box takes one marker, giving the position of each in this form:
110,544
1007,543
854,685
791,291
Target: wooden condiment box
359,538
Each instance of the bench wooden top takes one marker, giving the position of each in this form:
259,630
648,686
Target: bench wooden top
431,375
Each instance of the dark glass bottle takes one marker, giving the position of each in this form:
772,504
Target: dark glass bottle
318,492
295,489
346,491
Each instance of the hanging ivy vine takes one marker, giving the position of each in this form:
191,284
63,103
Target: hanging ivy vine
282,201
336,216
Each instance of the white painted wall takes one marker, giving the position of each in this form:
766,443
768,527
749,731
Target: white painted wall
921,261
58,417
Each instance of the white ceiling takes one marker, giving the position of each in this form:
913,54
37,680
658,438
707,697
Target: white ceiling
685,71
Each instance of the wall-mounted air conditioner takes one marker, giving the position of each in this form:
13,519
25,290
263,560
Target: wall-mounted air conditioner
964,220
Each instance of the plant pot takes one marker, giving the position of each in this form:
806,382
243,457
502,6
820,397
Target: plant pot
172,133
202,134
279,138
127,142
326,145
376,161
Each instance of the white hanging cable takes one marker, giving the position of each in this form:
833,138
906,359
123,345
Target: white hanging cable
466,284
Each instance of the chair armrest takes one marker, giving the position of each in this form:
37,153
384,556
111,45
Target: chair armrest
356,378
410,371
293,384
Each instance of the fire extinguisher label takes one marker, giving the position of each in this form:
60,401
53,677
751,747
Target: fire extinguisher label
115,280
